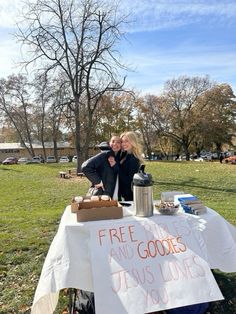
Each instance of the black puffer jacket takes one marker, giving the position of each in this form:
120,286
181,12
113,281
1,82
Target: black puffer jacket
97,169
127,169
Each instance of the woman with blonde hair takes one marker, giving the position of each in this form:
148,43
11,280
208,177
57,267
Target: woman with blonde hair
130,162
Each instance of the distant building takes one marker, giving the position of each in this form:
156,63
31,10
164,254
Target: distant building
18,150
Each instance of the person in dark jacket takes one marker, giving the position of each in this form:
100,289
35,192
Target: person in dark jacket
130,161
101,169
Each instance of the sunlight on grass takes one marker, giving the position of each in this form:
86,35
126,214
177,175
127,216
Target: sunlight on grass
33,198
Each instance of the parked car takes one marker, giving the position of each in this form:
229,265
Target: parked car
51,159
182,158
23,160
38,159
74,159
10,161
35,160
231,159
207,156
198,159
32,161
215,156
63,159
228,153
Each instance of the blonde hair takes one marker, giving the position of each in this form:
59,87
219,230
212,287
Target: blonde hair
136,146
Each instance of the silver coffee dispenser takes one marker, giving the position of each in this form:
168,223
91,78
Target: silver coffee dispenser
143,194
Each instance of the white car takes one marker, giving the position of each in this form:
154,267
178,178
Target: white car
64,159
74,159
37,159
198,159
51,159
23,160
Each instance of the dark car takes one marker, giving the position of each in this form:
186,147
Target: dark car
10,161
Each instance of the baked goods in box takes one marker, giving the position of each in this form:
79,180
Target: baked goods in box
98,210
78,199
97,204
94,198
105,198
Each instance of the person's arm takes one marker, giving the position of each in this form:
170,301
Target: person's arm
90,168
113,164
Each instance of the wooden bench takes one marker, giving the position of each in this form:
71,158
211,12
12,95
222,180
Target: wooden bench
72,171
62,174
80,174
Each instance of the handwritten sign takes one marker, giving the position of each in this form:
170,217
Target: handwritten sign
146,265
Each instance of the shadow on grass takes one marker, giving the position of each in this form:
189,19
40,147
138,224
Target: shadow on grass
226,283
8,169
193,184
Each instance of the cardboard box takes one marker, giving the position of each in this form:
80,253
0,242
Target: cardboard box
99,210
100,213
74,207
97,204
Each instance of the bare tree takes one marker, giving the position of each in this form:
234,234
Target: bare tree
77,37
16,105
57,116
144,121
42,93
50,97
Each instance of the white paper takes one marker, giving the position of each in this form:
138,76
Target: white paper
149,265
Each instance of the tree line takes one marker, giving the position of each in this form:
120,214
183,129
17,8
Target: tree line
191,114
75,86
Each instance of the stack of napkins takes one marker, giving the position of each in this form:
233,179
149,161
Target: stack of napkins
190,204
168,196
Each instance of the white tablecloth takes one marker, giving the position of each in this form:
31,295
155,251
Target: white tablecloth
68,260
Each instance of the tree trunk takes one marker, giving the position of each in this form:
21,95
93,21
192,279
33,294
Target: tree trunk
55,152
218,149
78,136
186,151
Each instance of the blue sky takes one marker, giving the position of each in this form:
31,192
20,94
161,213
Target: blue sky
167,39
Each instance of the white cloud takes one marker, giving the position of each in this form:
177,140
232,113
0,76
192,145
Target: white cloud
158,14
9,55
9,10
149,14
153,69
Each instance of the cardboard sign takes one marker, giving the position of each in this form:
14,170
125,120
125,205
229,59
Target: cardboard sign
147,265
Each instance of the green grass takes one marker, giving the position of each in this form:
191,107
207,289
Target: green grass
33,198
212,182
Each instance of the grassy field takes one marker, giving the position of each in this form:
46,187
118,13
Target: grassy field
33,198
